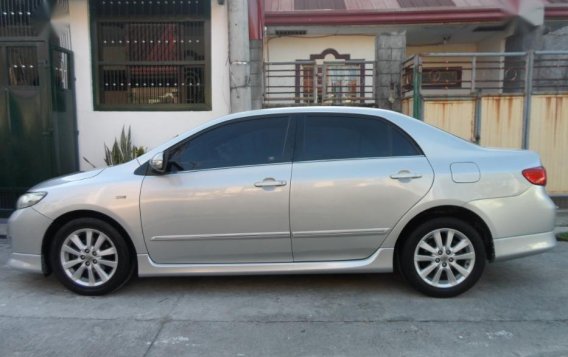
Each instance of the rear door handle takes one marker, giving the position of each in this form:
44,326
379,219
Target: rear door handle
270,182
405,175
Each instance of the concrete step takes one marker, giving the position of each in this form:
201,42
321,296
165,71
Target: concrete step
562,218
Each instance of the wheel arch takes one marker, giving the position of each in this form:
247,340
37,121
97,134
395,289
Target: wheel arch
447,211
70,216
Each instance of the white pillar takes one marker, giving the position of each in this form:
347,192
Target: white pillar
239,56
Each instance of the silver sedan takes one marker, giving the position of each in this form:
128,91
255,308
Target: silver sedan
295,190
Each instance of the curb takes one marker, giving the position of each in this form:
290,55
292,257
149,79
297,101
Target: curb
3,227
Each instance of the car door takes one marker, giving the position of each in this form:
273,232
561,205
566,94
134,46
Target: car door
225,198
353,178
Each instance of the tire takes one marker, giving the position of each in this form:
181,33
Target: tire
94,267
450,273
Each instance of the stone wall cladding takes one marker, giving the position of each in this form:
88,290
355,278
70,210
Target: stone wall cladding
256,78
390,52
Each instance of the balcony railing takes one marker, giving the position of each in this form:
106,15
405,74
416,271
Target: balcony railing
464,74
305,83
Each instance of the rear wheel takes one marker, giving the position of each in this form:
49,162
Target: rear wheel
90,257
443,257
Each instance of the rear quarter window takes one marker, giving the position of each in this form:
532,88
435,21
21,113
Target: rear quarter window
331,137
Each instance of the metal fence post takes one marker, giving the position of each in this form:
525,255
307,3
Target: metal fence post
473,73
315,84
528,98
416,84
323,83
477,118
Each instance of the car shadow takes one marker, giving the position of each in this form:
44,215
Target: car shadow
284,284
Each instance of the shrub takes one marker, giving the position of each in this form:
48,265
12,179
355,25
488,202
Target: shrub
122,150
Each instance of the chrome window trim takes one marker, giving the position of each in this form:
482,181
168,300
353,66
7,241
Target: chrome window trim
226,168
360,158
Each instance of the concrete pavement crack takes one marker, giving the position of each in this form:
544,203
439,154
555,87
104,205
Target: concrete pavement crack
163,322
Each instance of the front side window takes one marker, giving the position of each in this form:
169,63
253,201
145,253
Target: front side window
151,55
249,142
330,137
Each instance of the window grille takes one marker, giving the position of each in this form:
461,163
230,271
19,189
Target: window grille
151,55
22,66
17,18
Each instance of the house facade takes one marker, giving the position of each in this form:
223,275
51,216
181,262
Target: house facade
386,33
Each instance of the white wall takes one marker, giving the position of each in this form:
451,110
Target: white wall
148,128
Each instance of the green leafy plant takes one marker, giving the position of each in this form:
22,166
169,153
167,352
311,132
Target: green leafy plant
563,236
122,150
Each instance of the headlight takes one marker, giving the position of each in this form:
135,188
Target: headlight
30,199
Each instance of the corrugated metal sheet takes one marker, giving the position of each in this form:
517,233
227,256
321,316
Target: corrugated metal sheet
454,116
549,137
425,3
502,125
319,4
374,5
379,5
502,121
279,5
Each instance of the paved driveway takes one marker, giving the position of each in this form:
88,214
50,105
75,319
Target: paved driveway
519,308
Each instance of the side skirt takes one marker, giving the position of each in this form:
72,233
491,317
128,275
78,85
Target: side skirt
380,262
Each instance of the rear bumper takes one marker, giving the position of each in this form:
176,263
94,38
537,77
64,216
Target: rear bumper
520,246
527,214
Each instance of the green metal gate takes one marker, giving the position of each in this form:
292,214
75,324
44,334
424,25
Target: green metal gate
37,117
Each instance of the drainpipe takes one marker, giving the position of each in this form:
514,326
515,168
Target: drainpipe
239,56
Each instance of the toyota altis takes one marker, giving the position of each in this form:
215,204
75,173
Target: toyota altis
286,191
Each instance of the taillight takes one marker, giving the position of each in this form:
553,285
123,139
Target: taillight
536,175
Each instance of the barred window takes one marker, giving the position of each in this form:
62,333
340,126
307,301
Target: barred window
151,55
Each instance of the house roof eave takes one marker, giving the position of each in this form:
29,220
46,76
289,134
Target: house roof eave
379,17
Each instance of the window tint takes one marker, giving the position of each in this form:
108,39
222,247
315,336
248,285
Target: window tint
251,142
342,137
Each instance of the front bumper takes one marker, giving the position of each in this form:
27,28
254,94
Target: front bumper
26,229
520,246
26,262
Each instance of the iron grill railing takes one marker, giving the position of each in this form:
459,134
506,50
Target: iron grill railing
348,82
457,74
28,18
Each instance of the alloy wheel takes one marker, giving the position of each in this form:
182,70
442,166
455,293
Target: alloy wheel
88,257
444,258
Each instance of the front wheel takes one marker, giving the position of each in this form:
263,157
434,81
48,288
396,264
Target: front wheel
90,257
443,257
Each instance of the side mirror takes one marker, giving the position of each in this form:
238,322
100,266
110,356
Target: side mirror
157,163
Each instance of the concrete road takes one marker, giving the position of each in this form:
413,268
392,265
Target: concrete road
519,308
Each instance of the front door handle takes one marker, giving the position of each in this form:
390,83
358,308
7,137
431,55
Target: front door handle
405,175
270,182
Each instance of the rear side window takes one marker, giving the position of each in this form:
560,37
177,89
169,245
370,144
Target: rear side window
250,142
325,137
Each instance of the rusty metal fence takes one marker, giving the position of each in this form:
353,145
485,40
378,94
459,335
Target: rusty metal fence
513,99
348,82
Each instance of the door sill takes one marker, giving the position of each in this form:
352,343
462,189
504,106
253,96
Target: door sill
380,262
